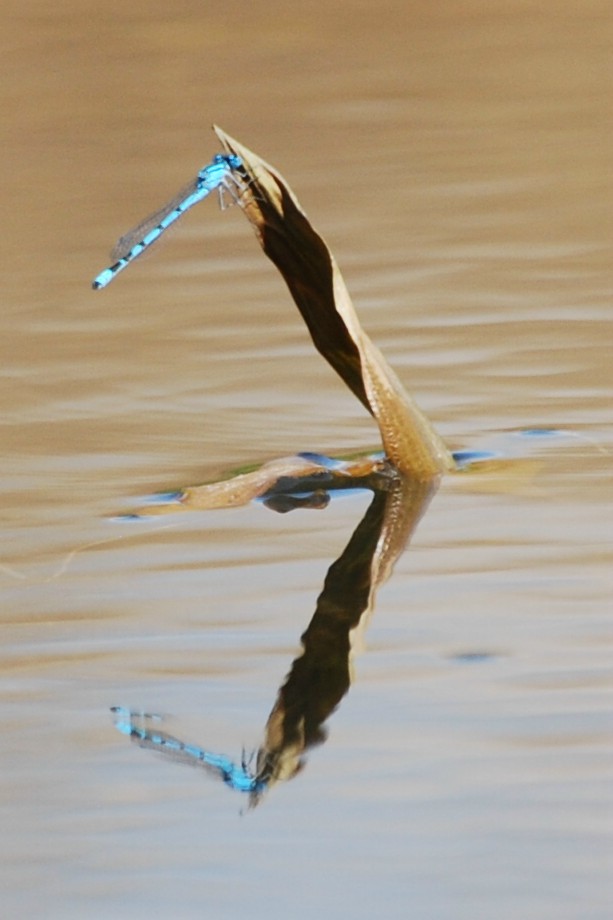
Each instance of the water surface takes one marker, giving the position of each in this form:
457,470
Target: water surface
457,160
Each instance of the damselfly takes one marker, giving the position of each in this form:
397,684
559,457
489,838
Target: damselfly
137,725
217,175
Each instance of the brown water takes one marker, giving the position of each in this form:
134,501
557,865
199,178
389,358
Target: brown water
456,156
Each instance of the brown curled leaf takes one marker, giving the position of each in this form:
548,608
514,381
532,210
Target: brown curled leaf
317,286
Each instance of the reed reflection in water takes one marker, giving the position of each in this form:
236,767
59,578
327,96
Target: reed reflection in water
321,676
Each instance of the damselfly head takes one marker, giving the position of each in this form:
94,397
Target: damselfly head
227,159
